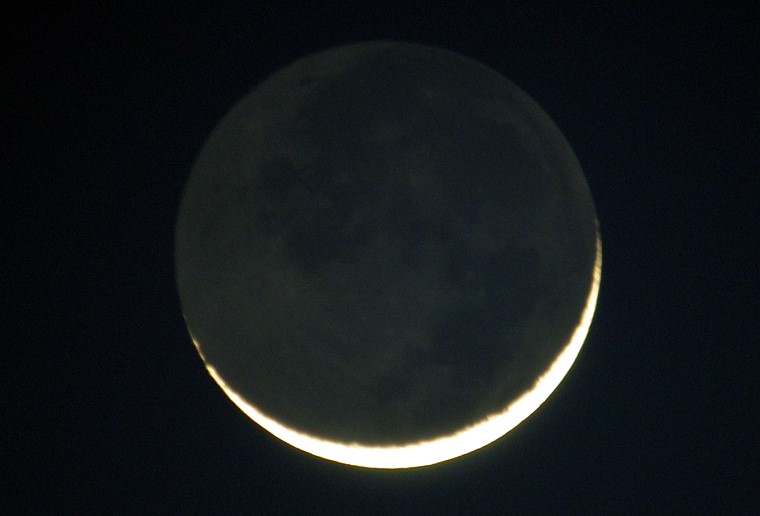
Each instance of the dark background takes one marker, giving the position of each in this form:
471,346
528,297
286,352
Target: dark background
107,405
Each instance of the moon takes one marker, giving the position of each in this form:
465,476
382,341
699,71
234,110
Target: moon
387,255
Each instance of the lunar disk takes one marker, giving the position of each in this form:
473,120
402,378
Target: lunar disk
387,255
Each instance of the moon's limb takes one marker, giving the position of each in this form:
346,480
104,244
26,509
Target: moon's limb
446,447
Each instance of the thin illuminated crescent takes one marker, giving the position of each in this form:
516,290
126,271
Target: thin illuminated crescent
443,448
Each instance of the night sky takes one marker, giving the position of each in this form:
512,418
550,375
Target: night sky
107,406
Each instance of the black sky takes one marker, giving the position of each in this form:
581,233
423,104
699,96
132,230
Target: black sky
107,405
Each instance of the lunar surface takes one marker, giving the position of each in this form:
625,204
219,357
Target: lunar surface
387,255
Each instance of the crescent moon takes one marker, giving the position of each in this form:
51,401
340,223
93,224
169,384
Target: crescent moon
445,448
387,255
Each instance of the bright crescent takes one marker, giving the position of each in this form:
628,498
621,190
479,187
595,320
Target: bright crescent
444,448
